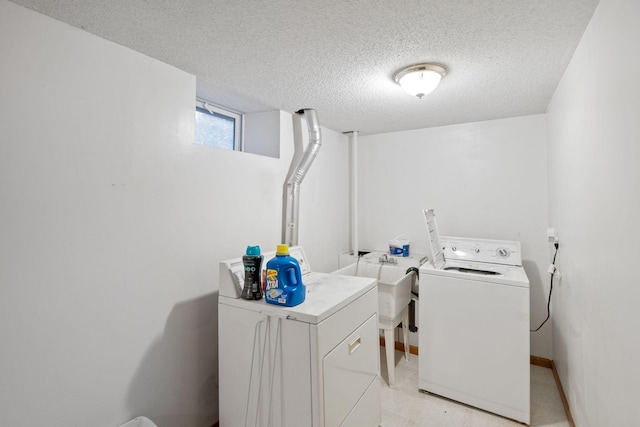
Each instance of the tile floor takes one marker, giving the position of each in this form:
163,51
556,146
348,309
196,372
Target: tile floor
404,406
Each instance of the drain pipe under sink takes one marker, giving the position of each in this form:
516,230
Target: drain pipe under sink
292,197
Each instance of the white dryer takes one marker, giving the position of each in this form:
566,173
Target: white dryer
313,365
474,324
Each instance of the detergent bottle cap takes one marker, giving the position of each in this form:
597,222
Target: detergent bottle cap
253,250
282,250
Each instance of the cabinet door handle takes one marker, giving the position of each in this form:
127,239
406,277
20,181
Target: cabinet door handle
353,345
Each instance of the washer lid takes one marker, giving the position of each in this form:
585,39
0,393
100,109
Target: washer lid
435,248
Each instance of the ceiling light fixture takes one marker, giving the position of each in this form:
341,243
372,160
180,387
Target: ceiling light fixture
420,79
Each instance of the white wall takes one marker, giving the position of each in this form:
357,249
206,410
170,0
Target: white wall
262,133
594,171
112,224
485,180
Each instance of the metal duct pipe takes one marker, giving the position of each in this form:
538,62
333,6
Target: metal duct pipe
292,200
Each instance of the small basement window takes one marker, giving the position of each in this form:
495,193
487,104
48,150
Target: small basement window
218,127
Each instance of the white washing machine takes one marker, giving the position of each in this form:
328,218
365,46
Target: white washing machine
313,365
474,324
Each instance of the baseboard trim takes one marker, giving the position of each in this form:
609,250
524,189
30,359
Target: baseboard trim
541,361
563,396
400,346
548,363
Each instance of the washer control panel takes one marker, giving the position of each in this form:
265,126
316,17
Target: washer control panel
505,252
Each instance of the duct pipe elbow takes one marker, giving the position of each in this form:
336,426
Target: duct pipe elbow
312,124
315,141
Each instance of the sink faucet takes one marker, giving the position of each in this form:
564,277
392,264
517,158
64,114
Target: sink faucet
387,259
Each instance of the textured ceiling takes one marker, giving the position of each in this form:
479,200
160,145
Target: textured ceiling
504,57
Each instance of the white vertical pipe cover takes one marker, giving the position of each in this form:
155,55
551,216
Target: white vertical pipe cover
354,192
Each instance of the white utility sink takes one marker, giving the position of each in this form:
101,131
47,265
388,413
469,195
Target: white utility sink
394,296
394,285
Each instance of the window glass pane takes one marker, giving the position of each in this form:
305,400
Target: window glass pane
215,130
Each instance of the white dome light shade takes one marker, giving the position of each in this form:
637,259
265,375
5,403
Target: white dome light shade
420,79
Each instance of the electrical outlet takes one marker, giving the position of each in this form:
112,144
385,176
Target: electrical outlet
552,235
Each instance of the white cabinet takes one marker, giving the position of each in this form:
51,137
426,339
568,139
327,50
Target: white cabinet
349,370
315,365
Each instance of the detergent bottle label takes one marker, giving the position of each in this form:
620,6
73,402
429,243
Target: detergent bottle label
271,288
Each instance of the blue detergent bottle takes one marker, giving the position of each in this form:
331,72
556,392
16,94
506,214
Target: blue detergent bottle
284,280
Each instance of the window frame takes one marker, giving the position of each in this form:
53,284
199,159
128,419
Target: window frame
238,118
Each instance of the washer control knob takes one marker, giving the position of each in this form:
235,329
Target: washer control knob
476,250
453,248
502,252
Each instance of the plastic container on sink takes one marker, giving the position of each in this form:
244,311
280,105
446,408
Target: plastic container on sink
399,245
